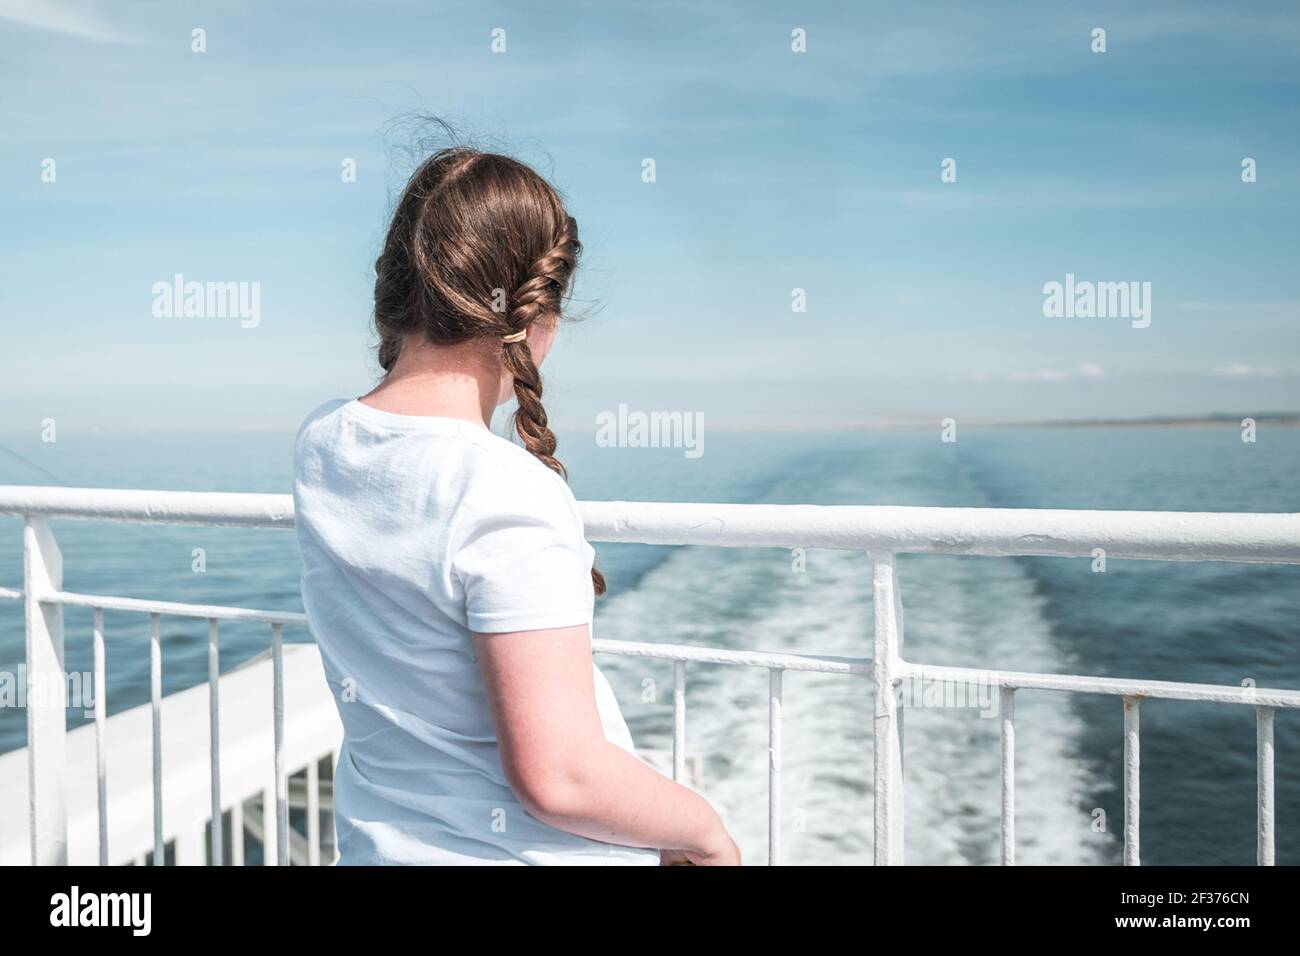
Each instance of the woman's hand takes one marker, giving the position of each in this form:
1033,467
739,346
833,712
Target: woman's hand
721,852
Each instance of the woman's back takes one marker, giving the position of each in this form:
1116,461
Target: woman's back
416,532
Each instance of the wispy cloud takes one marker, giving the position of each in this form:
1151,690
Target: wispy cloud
1086,370
71,18
1286,307
1241,370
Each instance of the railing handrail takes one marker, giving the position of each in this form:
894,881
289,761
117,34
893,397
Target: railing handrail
1270,538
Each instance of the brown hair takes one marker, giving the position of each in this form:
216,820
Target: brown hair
479,247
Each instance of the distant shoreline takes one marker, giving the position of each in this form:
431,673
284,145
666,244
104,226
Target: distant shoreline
1271,418
1284,419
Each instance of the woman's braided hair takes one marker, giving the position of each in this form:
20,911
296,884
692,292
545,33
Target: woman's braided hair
480,247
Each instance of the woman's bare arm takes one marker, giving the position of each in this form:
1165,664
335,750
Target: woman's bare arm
558,763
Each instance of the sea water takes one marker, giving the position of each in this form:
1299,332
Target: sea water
1218,623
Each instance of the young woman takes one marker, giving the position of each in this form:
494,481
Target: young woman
446,577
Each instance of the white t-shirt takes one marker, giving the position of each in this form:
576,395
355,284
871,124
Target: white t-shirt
416,532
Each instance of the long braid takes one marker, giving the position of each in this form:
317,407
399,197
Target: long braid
538,298
530,415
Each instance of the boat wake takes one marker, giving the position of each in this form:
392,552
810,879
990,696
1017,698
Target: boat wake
958,611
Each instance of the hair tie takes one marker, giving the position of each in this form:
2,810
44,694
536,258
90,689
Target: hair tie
515,336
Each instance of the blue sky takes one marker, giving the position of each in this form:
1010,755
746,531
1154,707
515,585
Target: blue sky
775,171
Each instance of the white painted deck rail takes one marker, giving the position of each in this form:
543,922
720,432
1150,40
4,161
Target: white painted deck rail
882,532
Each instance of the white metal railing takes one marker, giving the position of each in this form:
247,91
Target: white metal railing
882,532
46,716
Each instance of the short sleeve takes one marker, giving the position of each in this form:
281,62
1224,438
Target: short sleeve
523,561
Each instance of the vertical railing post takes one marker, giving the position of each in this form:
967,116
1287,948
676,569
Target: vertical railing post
335,756
1265,786
281,778
313,812
270,831
237,833
774,701
1007,709
47,690
888,763
1132,789
155,712
101,718
214,737
679,721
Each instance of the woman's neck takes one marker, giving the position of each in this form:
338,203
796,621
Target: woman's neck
455,381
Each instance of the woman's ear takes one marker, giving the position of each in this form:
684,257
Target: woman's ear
541,336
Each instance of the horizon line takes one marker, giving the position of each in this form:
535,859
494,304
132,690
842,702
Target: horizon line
1142,421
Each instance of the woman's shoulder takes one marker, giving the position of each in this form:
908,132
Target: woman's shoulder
499,466
506,484
320,412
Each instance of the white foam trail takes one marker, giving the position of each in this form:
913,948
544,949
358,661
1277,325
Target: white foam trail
958,611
